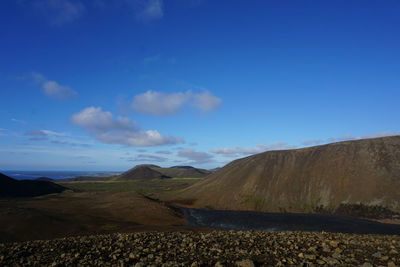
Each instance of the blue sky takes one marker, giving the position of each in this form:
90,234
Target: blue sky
105,85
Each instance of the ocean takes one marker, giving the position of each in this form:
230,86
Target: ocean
29,175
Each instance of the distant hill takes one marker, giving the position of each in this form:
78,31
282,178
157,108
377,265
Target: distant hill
10,187
304,180
183,172
149,171
144,171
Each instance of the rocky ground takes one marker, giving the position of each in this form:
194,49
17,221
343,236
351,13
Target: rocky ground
216,248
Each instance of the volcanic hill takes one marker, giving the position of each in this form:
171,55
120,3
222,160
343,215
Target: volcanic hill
301,180
10,187
149,171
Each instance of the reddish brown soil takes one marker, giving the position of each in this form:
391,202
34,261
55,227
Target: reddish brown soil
70,213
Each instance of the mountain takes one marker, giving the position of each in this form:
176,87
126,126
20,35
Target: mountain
10,187
303,180
143,171
183,172
149,171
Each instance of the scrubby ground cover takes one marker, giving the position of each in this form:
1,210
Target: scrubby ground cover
157,188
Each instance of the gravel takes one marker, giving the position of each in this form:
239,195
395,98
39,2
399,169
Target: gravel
216,248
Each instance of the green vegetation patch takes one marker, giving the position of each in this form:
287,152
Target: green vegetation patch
256,202
367,211
156,188
357,210
110,227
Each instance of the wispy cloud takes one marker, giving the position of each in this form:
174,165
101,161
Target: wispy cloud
18,121
164,152
52,88
147,158
147,10
42,135
312,142
53,137
57,12
196,157
162,104
61,12
151,59
348,137
240,151
69,143
120,130
46,133
3,132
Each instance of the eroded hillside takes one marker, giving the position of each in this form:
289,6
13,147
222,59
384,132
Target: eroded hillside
300,180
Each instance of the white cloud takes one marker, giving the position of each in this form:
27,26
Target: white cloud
236,151
162,104
121,130
159,103
52,88
205,101
196,157
58,12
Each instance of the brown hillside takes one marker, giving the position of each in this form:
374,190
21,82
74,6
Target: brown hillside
366,171
82,213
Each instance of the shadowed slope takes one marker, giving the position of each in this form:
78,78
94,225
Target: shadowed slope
27,188
300,180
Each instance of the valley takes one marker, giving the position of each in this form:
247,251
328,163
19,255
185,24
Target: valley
144,202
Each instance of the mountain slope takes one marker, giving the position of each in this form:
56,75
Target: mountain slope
366,171
27,188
